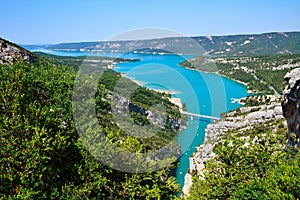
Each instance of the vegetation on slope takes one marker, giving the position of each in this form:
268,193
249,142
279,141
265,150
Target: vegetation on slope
41,154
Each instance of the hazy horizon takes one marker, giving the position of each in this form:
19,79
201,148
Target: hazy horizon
54,21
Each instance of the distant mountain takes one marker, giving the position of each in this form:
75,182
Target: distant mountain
10,53
232,45
256,44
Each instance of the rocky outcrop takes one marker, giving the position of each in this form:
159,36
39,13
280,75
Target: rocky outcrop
11,53
291,106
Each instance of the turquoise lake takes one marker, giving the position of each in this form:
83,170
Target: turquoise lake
203,93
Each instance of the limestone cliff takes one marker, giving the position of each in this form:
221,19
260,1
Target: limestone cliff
290,106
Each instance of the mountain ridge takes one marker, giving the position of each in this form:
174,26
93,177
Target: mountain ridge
228,45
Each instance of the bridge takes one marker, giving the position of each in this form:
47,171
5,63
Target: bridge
200,116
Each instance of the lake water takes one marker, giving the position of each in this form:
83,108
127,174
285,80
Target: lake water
203,93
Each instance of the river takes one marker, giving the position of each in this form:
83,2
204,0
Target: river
202,93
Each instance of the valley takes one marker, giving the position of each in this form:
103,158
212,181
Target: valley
252,122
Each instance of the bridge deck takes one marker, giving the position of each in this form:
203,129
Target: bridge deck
200,116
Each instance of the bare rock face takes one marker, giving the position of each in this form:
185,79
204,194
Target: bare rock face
291,106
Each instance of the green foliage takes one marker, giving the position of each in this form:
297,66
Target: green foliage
274,78
41,155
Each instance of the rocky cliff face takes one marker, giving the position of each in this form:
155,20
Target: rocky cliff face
291,106
10,53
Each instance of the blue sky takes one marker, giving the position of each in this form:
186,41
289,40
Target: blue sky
55,21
